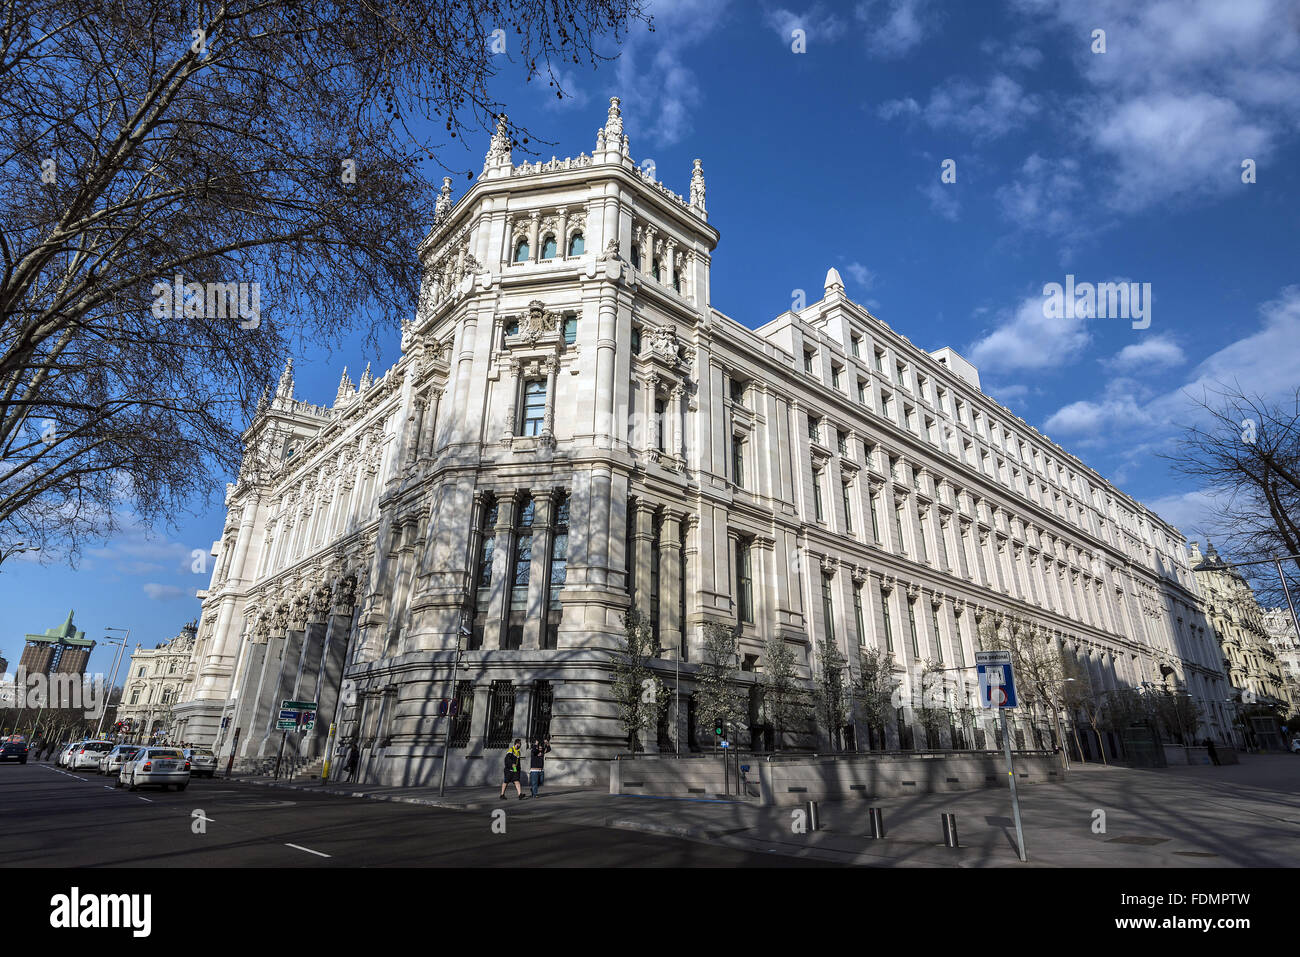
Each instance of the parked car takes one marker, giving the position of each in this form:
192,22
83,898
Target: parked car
65,756
111,763
14,751
86,754
1295,745
203,762
155,766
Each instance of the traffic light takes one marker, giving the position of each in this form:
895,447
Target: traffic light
720,728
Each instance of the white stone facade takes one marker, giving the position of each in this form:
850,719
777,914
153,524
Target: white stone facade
573,430
155,685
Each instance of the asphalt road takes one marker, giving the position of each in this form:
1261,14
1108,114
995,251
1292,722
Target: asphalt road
56,818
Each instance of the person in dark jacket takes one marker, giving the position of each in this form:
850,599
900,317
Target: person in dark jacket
1214,754
536,760
510,768
350,763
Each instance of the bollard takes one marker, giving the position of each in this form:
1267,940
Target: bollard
877,823
814,822
949,830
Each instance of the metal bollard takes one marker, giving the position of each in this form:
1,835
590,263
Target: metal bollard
949,830
877,823
814,821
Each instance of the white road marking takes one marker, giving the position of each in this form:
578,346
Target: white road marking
307,849
145,799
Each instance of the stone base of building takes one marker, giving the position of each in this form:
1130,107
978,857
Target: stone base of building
793,780
196,722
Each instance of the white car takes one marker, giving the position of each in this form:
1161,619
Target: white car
203,763
155,766
111,763
65,754
86,754
1295,745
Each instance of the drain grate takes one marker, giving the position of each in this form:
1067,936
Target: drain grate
1143,841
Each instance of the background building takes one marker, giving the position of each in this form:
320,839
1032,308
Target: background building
63,651
1280,625
1249,658
153,684
573,431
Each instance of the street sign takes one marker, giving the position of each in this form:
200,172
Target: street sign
726,744
308,720
997,683
297,705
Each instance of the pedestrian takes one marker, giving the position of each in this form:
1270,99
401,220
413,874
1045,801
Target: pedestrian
1214,754
350,764
536,760
510,767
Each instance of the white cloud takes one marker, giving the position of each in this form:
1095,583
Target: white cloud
817,23
1041,197
895,27
1195,514
166,592
1183,93
1026,339
660,93
983,112
861,275
1153,352
1262,363
943,200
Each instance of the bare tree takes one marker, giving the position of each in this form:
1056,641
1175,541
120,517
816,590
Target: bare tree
1245,452
830,692
194,186
718,696
873,692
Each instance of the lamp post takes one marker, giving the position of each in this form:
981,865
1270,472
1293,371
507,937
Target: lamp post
17,549
121,644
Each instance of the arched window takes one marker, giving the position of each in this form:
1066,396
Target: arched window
521,251
577,245
549,249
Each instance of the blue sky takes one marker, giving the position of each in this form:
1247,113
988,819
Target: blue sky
1122,165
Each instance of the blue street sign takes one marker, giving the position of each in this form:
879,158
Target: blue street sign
997,683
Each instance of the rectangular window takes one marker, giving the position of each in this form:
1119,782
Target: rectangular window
911,623
875,522
807,361
880,361
862,391
570,329
813,432
898,527
846,488
534,407
889,625
920,541
835,377
857,615
828,607
744,581
855,343
501,713
842,442
738,461
938,641
817,497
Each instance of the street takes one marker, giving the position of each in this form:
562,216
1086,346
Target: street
55,818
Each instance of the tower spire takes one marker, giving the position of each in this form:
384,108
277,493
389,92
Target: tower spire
345,388
497,161
285,389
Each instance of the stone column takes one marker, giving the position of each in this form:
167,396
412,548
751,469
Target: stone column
510,407
499,596
534,246
259,712
676,444
670,582
548,422
643,539
249,684
338,634
287,670
539,585
562,236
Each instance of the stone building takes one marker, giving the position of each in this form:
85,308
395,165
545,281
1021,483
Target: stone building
1239,627
1280,625
154,683
574,430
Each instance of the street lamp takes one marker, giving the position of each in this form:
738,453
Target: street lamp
17,549
121,644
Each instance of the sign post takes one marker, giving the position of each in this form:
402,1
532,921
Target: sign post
997,686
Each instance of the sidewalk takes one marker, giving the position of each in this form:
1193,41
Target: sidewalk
1246,815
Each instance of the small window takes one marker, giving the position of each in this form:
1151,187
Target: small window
636,341
636,256
813,432
577,245
521,251
856,345
835,376
549,248
534,406
654,268
842,442
570,329
808,361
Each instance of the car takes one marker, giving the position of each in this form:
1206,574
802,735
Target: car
155,766
111,763
65,755
1295,745
202,761
86,754
14,751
